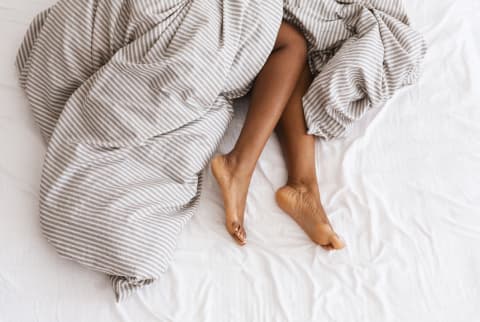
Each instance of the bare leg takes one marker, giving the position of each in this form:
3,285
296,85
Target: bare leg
271,92
300,197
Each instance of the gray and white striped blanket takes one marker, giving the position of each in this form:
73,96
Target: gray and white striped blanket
133,98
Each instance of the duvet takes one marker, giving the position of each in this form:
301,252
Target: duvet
133,97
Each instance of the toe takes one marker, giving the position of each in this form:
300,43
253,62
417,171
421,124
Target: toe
238,233
241,235
239,239
236,227
336,242
327,247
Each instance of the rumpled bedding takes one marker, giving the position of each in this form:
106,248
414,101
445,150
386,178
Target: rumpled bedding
361,52
134,97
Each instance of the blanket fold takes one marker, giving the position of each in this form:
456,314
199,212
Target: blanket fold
360,51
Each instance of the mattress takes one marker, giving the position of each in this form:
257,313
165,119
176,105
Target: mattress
403,192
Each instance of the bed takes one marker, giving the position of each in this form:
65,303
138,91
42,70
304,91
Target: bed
403,193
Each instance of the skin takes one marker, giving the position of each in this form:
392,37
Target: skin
277,103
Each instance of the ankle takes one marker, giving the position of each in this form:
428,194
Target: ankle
303,184
237,167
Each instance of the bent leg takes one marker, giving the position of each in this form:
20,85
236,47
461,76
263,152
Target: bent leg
300,197
271,92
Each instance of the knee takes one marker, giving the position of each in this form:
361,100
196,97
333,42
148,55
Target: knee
291,39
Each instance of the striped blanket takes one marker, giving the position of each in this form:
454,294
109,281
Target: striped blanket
133,98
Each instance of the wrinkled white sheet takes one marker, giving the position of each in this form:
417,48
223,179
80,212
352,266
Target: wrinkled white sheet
403,193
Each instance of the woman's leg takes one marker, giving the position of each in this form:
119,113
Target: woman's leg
271,92
300,197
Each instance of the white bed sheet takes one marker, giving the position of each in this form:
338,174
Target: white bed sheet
403,193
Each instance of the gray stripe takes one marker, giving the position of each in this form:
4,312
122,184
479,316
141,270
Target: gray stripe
360,52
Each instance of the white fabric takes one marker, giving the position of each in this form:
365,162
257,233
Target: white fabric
403,193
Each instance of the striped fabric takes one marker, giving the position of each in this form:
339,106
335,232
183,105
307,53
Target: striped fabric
360,51
133,98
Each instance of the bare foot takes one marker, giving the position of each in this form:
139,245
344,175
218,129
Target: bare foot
234,186
303,205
